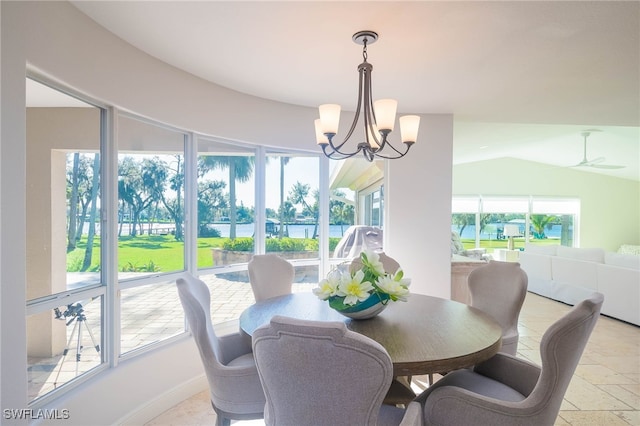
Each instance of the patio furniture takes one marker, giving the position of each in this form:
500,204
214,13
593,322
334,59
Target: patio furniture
339,377
270,275
356,239
234,385
506,390
499,289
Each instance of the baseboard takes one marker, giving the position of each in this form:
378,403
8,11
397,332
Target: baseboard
162,403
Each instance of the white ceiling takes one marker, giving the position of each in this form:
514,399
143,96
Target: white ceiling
523,79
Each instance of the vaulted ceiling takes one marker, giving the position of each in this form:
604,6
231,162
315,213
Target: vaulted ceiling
522,79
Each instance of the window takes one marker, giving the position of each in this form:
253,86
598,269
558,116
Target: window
374,208
480,221
293,212
151,234
114,223
226,194
65,294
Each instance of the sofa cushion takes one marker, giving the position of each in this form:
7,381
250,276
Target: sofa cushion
630,261
537,266
586,254
548,250
574,272
621,289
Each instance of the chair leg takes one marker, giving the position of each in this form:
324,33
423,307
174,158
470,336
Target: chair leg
222,421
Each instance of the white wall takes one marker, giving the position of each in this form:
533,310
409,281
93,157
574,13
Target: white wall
418,204
609,207
61,43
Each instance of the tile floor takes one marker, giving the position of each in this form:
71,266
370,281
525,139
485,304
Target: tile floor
605,389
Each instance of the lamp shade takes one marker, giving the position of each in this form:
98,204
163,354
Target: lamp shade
409,125
385,110
329,117
511,230
321,139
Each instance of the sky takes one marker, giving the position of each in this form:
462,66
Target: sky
303,169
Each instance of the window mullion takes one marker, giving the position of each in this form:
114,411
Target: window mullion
109,218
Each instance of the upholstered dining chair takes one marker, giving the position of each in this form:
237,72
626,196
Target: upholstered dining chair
321,373
499,289
234,385
506,390
270,275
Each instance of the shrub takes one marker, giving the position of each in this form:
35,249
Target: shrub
333,242
208,231
149,267
285,244
238,244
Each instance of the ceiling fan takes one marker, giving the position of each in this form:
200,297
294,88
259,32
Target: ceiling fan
595,163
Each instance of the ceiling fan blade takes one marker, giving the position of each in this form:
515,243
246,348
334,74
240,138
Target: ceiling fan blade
606,166
596,160
595,163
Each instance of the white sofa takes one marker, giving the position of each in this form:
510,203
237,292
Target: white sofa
571,274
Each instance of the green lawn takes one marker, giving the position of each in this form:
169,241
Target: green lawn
518,243
147,253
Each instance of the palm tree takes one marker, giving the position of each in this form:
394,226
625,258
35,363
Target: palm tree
539,222
240,170
462,220
95,181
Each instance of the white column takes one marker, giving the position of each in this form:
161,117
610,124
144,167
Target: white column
417,201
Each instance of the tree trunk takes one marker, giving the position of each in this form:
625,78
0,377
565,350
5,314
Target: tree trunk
73,204
232,200
88,253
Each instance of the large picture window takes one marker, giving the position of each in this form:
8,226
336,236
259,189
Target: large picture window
480,221
120,206
151,233
65,291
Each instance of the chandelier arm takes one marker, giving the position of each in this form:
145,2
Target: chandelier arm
390,145
337,155
370,121
394,157
337,147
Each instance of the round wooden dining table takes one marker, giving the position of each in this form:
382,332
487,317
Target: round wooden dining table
425,335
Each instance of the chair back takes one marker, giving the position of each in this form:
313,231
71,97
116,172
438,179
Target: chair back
320,373
270,275
234,384
390,264
560,349
499,289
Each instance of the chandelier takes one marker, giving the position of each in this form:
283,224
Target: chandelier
379,118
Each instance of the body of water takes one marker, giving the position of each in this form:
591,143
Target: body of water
242,229
295,231
470,231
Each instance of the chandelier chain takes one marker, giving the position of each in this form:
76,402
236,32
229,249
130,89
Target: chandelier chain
364,49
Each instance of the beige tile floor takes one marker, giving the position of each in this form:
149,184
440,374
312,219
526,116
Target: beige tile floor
605,389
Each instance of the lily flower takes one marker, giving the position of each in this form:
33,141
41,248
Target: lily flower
395,286
354,289
371,260
329,286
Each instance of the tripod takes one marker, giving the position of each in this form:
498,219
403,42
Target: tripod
75,313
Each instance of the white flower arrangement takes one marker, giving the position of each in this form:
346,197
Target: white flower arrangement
345,290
